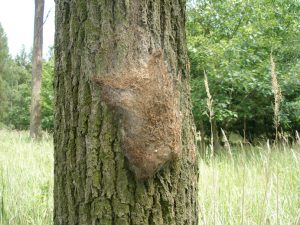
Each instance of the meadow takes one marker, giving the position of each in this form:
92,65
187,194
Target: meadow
26,179
254,185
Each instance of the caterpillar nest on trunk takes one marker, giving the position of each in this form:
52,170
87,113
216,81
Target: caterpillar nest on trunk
146,101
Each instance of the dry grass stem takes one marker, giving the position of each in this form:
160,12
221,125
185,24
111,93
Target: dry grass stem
227,144
209,104
297,138
277,97
243,193
268,185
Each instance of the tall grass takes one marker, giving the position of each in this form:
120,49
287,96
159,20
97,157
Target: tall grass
259,186
253,185
277,97
26,179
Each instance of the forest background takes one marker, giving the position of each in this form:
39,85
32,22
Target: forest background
230,41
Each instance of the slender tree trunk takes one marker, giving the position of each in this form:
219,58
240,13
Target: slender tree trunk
37,61
93,183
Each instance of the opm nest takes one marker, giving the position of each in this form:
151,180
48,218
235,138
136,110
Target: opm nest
146,102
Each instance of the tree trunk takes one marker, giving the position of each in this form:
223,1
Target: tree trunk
93,181
37,61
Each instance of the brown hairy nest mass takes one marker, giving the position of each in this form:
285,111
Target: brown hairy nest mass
147,103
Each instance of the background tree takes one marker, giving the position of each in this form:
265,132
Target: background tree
37,61
93,183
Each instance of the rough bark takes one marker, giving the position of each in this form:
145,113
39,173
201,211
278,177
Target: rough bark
93,183
37,61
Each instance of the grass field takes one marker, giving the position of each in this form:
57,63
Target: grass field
26,179
257,185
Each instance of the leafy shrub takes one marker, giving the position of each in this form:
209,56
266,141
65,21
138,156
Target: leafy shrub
232,41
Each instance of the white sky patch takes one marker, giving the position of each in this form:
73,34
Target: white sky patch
17,18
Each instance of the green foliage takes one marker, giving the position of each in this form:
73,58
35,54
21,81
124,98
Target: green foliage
15,88
18,92
4,59
47,93
232,40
